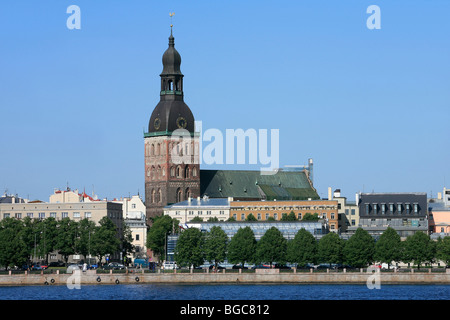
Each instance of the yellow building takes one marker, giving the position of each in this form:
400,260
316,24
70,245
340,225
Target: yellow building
275,210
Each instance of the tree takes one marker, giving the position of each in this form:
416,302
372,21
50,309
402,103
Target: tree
329,248
213,219
242,246
49,231
157,234
302,249
196,219
289,217
272,247
419,248
388,248
13,249
358,251
189,250
251,217
443,250
105,239
86,231
216,245
127,241
310,217
66,238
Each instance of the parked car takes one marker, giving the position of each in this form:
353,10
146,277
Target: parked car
261,266
282,266
239,266
114,266
56,264
36,266
219,267
169,265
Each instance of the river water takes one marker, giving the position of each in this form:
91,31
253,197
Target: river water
226,292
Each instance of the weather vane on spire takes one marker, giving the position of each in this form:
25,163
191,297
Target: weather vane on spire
171,14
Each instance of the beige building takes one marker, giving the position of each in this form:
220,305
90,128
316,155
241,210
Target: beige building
267,210
134,217
348,212
66,204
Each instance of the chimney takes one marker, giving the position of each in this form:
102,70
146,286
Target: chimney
330,196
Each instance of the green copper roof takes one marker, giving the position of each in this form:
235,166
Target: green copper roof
246,184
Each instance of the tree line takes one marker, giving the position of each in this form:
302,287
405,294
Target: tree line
21,241
194,247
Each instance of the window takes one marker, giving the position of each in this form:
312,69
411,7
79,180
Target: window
208,212
137,237
416,208
30,215
5,215
299,216
408,208
259,216
221,212
367,208
383,208
353,212
353,222
267,216
346,212
64,214
200,213
399,207
332,215
41,215
133,206
275,216
53,215
375,207
235,216
391,208
87,215
242,216
76,215
18,215
191,213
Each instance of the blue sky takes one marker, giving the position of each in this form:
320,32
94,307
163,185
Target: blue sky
371,107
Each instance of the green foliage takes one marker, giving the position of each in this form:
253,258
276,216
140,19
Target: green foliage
272,247
329,249
190,248
359,250
302,249
242,246
216,241
443,250
13,248
289,217
66,237
388,248
310,217
419,248
251,217
105,240
196,219
156,236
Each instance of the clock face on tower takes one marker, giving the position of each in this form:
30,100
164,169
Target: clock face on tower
157,123
181,123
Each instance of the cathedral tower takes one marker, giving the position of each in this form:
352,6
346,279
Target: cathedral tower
172,171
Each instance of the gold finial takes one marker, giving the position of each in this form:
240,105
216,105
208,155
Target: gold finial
171,14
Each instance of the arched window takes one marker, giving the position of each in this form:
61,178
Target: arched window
158,173
187,172
152,150
172,171
179,195
178,172
159,199
153,173
158,149
194,172
153,196
188,193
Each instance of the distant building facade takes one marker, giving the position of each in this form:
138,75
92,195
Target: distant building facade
134,218
348,212
407,213
439,215
268,210
204,208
